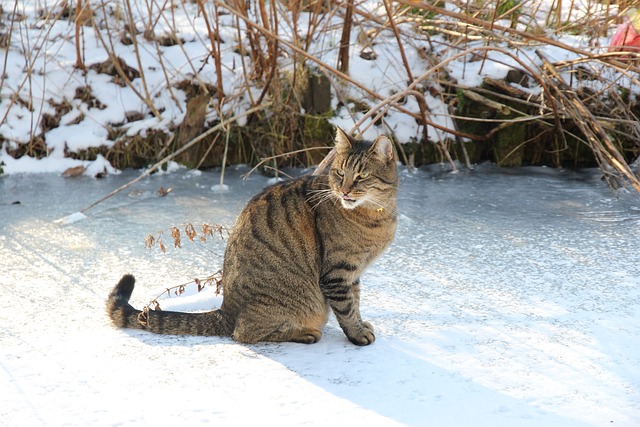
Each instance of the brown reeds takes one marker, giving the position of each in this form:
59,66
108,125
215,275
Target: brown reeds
267,34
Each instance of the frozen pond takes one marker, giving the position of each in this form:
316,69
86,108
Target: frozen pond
509,297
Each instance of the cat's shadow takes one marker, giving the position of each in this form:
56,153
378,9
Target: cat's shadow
392,379
381,377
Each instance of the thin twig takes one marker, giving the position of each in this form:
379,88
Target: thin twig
179,151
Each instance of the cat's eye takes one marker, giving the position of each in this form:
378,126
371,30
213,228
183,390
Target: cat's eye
340,172
364,175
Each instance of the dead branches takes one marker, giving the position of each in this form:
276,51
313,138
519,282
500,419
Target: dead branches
614,166
214,280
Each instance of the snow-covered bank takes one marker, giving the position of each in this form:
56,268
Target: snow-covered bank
503,301
51,108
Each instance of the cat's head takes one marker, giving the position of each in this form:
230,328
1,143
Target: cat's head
364,173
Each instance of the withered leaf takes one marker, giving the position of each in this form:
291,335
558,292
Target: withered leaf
164,191
149,241
74,171
190,231
175,233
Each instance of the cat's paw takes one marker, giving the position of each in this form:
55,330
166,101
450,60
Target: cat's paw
364,336
309,336
368,326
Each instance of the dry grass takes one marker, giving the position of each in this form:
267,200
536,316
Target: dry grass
178,290
201,234
604,120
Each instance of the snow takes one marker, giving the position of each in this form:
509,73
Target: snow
70,219
220,188
40,70
509,297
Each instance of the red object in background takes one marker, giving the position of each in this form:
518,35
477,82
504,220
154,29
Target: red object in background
627,37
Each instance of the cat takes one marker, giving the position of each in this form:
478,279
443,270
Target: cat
297,250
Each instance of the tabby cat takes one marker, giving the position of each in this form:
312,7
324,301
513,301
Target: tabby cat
298,248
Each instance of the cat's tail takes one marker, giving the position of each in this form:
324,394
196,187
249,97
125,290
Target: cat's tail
124,315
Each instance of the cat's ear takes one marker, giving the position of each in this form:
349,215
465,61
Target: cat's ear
343,141
383,147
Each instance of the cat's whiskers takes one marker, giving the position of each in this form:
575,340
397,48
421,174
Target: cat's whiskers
320,196
376,202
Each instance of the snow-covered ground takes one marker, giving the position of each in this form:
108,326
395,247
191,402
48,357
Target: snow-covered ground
504,301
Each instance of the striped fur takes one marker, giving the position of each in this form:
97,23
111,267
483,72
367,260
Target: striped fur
297,252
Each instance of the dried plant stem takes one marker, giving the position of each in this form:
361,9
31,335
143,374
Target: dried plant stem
422,103
179,151
209,148
244,65
214,39
78,25
136,49
270,158
224,155
116,63
169,85
6,57
213,280
189,60
345,39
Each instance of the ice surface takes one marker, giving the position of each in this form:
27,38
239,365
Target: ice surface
509,297
220,188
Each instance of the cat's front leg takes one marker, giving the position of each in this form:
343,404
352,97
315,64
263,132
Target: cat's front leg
344,299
